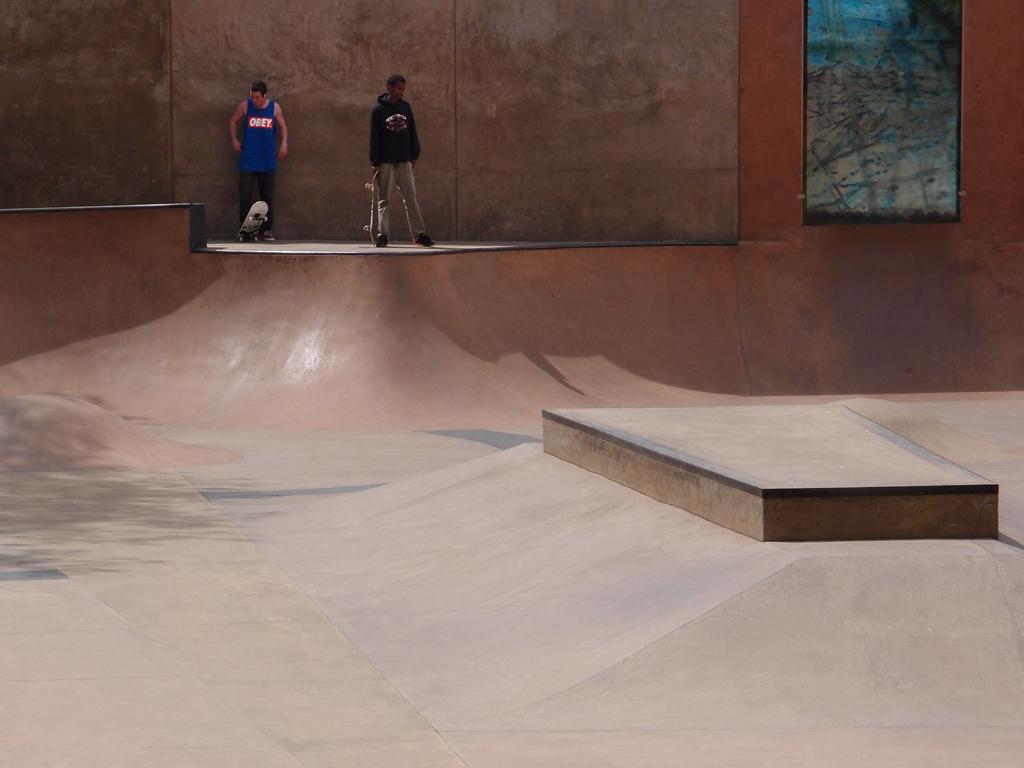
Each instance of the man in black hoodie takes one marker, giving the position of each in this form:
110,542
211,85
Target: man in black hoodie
394,149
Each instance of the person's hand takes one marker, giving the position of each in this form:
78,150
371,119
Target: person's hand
283,151
237,145
413,165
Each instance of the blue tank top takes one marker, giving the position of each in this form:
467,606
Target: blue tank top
259,141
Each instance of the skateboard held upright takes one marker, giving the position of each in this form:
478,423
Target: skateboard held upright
373,189
253,221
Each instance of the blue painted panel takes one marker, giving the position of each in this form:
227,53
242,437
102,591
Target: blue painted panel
882,110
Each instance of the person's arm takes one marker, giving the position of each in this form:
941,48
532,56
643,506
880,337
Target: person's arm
233,126
374,142
414,138
280,123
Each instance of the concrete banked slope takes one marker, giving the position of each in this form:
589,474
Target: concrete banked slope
517,594
112,307
50,432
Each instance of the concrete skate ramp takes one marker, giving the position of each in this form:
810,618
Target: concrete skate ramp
911,422
45,432
826,642
486,586
112,306
516,592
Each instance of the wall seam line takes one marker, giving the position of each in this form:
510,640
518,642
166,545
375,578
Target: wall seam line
739,121
170,98
455,115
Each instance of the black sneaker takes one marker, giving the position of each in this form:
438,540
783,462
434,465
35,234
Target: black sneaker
382,241
425,240
267,236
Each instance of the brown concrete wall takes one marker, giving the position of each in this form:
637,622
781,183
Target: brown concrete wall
70,275
326,63
992,162
597,119
569,120
771,118
85,116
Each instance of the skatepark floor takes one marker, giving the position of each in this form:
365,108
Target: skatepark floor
456,597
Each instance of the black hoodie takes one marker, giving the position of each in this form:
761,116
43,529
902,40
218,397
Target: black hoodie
393,136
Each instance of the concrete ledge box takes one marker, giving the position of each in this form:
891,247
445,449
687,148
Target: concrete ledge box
780,473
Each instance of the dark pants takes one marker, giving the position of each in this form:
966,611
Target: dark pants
265,179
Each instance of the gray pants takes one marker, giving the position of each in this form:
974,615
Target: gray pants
399,175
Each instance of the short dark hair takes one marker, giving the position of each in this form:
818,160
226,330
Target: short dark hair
259,85
395,79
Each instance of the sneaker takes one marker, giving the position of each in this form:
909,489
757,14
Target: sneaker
425,240
382,241
267,236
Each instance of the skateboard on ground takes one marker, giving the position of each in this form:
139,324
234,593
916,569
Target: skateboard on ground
371,185
253,221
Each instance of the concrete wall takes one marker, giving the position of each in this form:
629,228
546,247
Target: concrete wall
86,112
326,63
597,119
567,120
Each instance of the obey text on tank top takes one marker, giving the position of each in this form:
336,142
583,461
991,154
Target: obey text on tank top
259,139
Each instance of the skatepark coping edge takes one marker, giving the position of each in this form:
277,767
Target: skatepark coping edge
198,242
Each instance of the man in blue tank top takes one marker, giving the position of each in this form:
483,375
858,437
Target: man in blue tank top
258,150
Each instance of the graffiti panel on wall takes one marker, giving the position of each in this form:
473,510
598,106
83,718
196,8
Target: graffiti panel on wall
882,110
